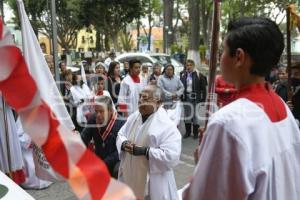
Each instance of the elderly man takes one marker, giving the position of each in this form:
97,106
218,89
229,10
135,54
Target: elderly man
103,129
149,146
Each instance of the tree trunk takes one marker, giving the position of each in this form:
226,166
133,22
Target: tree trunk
150,26
114,36
98,40
194,33
138,34
168,17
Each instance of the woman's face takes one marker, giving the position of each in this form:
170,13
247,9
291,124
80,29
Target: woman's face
169,71
117,70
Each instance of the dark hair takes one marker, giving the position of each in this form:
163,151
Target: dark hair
100,78
132,62
260,38
168,65
190,61
111,69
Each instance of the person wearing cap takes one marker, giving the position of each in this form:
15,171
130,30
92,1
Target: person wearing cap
130,89
103,128
145,72
155,74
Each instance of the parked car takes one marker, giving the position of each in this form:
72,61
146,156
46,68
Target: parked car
160,58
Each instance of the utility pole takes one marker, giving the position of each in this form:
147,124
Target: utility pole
54,42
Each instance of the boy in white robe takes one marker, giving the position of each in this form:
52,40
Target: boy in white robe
149,146
130,89
251,147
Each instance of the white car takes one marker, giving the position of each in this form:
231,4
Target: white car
160,58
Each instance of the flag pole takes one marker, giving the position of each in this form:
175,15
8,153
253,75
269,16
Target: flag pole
288,50
6,138
213,62
54,42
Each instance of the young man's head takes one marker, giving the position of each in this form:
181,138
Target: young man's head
134,67
150,100
252,47
103,110
100,84
295,75
190,65
282,75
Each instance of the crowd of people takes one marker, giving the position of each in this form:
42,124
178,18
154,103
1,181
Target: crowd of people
123,116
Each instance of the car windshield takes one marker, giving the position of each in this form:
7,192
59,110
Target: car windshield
163,60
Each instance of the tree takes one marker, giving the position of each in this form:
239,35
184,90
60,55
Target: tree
168,23
151,8
111,16
68,19
194,31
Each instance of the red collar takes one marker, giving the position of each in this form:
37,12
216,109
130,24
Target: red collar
263,95
99,93
135,79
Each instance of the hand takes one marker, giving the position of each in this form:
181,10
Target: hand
127,146
290,105
140,151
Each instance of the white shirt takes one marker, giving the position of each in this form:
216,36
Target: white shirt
246,156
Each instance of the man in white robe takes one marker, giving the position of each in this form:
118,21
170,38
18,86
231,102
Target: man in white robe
251,148
131,87
149,146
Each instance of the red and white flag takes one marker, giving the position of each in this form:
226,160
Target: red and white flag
26,85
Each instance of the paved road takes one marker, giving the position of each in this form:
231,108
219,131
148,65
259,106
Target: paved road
61,191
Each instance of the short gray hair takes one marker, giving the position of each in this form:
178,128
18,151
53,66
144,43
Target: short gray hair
104,100
155,90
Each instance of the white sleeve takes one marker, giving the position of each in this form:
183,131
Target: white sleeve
167,153
161,86
180,88
224,167
123,97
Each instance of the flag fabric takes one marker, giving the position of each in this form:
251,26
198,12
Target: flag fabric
23,87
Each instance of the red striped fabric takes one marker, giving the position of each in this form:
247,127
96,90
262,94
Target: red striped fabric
19,90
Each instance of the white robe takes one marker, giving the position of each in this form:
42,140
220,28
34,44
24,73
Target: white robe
79,93
32,181
14,151
129,93
243,151
164,141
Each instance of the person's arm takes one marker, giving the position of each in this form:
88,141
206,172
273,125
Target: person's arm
180,88
161,86
224,168
123,98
